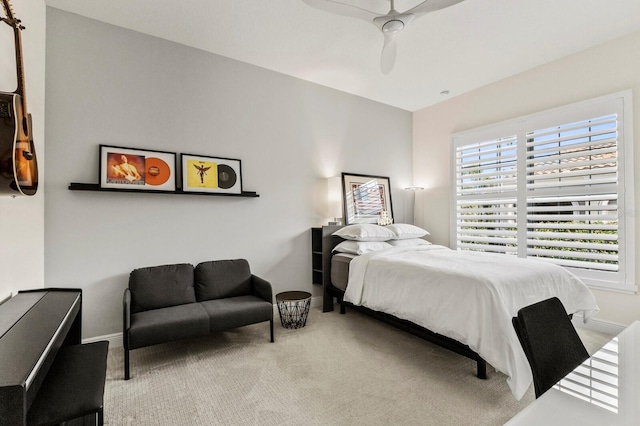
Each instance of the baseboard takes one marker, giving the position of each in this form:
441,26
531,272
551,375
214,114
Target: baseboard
5,297
316,301
115,339
597,325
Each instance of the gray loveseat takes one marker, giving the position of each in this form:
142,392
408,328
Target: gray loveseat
171,302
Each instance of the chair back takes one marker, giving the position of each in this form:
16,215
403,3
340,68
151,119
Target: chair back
158,287
551,344
218,279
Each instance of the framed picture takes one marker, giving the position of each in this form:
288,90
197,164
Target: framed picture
131,168
365,197
211,174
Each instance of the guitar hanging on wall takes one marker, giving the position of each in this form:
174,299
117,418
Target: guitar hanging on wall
18,164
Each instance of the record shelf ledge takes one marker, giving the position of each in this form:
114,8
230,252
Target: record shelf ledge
75,186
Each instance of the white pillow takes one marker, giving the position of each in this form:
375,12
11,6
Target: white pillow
360,247
403,231
409,242
365,232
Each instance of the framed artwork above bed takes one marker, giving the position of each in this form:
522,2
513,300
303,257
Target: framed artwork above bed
365,197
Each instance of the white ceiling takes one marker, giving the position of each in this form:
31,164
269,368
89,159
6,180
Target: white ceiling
458,49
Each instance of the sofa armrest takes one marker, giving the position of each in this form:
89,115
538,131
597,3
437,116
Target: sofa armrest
126,311
262,288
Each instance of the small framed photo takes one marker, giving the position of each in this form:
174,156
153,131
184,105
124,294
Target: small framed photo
365,198
137,169
211,174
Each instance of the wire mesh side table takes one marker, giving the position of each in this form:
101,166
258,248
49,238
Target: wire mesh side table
293,307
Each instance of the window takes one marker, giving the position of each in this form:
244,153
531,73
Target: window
553,186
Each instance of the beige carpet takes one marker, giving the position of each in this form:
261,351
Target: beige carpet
338,370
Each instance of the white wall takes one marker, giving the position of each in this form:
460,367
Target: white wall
108,85
605,69
22,218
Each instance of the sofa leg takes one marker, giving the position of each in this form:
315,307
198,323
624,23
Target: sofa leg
126,364
271,327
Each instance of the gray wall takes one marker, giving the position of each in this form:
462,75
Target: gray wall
108,85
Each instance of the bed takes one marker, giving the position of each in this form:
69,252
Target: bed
461,300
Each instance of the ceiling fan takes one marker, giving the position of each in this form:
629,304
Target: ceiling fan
390,24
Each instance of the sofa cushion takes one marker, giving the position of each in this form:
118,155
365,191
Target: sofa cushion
167,324
222,278
232,312
161,286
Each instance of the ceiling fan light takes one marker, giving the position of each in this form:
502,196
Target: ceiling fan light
393,26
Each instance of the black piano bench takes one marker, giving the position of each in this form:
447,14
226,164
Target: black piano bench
74,386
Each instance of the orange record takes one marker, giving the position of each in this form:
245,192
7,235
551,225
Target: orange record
157,171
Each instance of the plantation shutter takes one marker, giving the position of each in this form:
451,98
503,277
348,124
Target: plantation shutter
552,186
486,190
572,193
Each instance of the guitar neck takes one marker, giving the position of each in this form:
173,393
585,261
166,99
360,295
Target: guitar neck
20,69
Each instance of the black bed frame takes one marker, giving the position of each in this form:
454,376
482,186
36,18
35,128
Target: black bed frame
330,293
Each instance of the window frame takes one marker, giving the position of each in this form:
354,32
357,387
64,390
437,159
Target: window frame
619,103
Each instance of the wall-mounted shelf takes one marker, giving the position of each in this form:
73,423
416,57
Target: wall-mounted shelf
74,186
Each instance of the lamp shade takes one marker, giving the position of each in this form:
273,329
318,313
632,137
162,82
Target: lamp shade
334,197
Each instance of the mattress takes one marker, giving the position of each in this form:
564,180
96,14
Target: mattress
467,296
340,269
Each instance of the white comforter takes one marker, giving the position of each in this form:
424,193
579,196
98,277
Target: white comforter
468,296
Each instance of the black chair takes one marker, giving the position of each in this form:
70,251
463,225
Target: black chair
551,344
74,386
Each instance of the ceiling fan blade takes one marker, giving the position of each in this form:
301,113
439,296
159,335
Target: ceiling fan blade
428,6
342,9
388,57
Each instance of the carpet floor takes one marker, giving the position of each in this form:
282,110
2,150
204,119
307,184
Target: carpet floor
337,370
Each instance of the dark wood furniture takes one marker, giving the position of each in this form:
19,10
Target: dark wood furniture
316,256
319,254
322,242
331,294
35,327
